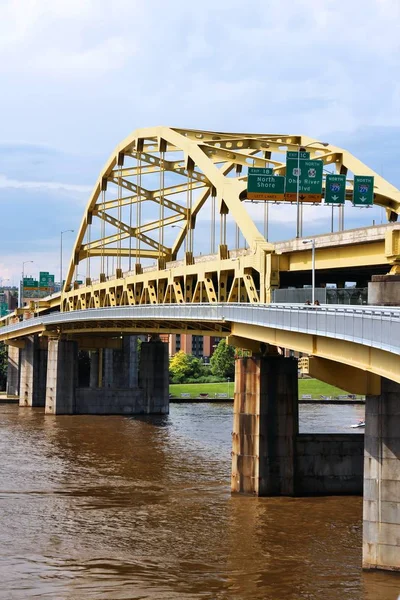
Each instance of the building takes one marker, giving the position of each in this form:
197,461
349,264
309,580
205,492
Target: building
198,345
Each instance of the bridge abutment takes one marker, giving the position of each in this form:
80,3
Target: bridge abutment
13,371
33,369
381,528
265,426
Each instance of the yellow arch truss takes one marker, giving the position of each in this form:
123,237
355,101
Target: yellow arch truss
185,168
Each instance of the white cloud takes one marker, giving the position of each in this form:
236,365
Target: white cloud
7,183
79,75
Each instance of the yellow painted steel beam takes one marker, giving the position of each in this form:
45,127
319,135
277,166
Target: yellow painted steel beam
352,379
356,255
125,252
355,355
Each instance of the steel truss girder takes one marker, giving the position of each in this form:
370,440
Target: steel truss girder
203,151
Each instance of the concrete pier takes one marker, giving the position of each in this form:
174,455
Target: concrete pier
120,393
13,371
384,290
94,368
153,377
121,366
62,377
33,368
265,426
381,514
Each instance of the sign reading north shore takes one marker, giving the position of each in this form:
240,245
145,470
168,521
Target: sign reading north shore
335,189
310,179
30,283
262,184
363,191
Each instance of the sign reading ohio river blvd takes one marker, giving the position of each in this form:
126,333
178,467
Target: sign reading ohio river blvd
262,184
308,174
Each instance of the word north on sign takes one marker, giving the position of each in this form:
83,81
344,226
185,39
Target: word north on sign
307,175
335,189
363,190
262,184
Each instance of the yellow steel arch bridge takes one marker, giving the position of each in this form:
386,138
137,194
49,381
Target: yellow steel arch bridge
136,241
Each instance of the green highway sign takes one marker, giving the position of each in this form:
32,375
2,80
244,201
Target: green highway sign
3,309
30,283
303,155
363,190
310,179
46,280
254,171
335,189
262,184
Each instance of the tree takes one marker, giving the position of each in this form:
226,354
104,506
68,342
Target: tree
184,366
223,361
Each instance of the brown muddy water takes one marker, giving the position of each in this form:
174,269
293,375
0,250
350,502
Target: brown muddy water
116,508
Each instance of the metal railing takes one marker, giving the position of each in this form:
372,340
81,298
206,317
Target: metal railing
373,326
352,296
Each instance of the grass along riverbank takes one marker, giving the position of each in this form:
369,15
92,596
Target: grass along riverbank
306,386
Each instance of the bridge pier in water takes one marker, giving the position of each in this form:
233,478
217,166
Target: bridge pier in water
33,370
13,371
265,426
62,377
381,511
120,389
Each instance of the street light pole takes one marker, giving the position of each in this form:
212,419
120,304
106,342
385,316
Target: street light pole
21,287
302,148
312,242
297,195
61,257
183,229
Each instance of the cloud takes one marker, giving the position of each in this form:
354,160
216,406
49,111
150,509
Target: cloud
6,183
80,75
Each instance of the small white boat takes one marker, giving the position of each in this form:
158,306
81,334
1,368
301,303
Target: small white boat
360,423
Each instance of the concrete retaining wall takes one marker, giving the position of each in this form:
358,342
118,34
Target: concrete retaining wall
329,463
109,401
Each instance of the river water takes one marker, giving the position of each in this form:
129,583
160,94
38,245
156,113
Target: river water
116,508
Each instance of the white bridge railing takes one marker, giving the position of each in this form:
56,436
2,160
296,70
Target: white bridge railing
374,326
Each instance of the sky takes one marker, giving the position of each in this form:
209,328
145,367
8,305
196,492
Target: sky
79,75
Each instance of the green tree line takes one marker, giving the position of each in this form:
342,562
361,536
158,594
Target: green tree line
185,368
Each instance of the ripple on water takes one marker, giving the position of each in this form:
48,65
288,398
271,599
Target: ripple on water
116,508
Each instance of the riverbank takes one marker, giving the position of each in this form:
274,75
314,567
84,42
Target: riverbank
310,391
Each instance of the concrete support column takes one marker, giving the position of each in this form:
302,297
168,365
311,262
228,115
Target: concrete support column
384,290
153,377
94,369
108,358
62,377
265,425
121,366
13,371
381,528
33,368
